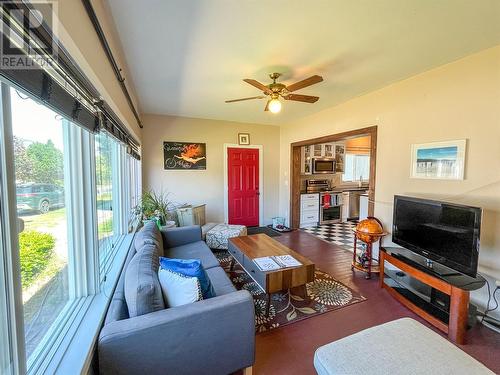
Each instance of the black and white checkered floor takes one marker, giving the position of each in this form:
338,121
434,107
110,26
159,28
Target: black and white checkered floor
340,233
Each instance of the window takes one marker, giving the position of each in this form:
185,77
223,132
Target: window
112,198
104,180
6,355
356,167
65,194
134,190
43,240
73,194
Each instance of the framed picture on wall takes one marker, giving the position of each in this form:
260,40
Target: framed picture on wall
184,156
243,138
438,160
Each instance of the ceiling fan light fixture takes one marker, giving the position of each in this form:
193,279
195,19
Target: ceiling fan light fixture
274,105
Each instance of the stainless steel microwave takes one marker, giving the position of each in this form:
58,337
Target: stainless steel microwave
323,165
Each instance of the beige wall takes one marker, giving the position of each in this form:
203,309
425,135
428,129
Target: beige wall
77,34
198,187
460,100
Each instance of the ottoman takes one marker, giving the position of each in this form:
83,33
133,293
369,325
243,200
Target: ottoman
217,237
403,346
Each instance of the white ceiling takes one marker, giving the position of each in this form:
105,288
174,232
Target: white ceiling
186,57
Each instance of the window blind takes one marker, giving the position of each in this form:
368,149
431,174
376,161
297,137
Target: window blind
54,78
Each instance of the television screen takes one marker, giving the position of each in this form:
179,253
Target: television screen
443,232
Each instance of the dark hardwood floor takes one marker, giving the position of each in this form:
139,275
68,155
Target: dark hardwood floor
290,349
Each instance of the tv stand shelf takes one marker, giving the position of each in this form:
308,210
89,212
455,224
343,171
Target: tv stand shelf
450,319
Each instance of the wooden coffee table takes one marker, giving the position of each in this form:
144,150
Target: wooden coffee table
246,248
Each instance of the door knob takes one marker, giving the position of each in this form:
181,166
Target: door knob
258,193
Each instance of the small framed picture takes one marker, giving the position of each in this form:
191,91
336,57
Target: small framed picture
243,138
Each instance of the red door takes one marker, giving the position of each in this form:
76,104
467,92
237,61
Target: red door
243,186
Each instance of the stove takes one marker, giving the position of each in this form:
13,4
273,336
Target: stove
317,186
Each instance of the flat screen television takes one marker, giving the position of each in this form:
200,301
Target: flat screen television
443,232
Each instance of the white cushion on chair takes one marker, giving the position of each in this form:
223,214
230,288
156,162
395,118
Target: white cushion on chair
403,346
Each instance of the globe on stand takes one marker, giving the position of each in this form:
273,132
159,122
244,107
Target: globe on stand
369,231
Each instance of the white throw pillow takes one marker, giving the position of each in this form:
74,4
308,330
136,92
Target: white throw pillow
178,289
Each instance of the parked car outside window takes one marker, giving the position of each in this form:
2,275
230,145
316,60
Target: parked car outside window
39,197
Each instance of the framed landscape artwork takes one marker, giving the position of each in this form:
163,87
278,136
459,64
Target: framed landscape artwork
438,160
184,156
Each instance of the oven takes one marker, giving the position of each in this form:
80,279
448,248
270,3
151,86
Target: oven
323,165
330,208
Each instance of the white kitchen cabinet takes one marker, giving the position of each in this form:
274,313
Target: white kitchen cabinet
334,150
306,160
309,210
329,150
345,206
317,150
339,157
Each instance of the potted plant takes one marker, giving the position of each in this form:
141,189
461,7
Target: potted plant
157,207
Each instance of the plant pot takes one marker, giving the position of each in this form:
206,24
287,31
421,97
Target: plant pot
170,224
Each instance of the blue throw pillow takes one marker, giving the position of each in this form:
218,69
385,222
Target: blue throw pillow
191,268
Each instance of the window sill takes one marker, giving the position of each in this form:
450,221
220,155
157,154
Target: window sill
74,354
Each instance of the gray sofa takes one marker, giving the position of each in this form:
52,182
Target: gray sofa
212,336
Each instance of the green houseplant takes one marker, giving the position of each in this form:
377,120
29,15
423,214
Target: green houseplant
156,206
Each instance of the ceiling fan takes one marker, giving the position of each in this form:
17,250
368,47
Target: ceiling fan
274,91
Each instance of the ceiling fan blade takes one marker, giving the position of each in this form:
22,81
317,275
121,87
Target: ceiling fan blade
304,83
250,98
302,98
259,85
267,107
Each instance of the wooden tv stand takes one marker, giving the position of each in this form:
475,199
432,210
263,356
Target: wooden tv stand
453,319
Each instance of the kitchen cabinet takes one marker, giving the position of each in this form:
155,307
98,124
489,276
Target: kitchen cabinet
318,150
339,157
345,206
322,150
329,150
306,160
309,210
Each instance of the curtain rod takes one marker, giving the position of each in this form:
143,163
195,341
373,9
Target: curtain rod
104,42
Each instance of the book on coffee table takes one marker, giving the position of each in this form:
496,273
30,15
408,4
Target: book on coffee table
287,260
276,262
266,264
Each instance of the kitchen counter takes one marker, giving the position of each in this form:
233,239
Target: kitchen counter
338,190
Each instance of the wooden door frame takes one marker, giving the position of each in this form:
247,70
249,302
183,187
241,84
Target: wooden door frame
261,180
295,155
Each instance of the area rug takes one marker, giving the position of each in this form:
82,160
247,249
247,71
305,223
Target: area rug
323,295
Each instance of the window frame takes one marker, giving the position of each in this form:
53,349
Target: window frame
354,167
10,248
69,342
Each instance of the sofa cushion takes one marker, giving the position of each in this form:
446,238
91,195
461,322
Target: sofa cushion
190,268
220,282
195,250
179,289
142,287
149,234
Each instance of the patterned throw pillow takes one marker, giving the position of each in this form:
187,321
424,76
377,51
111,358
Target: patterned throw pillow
191,268
178,289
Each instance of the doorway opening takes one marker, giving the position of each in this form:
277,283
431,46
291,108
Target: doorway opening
310,162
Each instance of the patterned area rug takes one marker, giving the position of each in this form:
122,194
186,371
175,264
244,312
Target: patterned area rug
323,295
